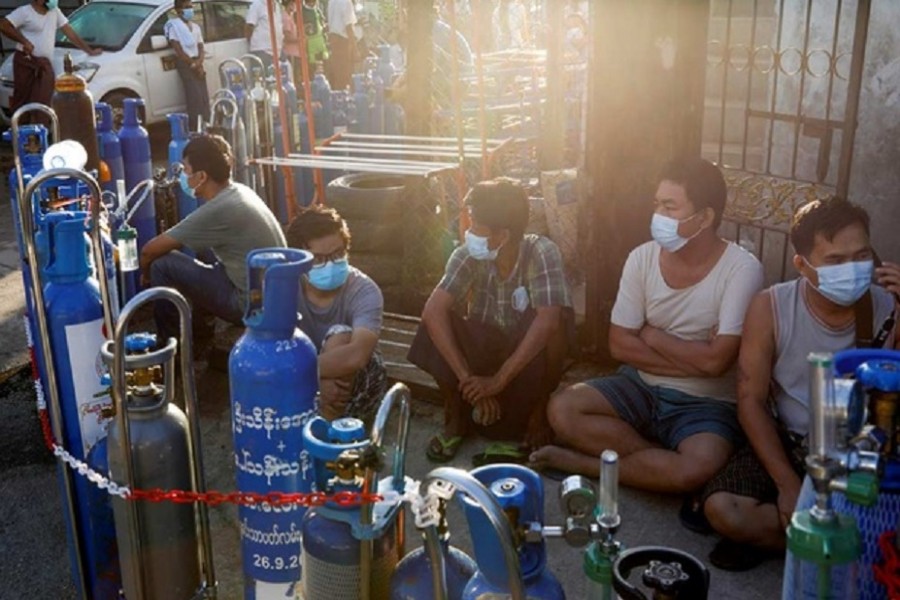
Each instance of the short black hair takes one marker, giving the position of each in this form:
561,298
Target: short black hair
826,217
209,153
179,4
313,223
702,181
500,203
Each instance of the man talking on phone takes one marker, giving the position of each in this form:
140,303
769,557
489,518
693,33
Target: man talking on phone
840,300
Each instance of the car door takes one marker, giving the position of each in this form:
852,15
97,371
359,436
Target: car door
164,89
224,34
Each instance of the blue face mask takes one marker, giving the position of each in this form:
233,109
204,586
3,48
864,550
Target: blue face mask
52,4
665,232
845,283
478,248
187,13
329,276
185,186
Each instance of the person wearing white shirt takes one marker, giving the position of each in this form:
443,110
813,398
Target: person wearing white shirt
342,43
258,34
33,27
186,39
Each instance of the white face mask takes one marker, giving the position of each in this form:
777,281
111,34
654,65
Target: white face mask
845,283
478,247
665,231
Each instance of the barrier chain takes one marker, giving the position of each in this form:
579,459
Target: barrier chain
211,498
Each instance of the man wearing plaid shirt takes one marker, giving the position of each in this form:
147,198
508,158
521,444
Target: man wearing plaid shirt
493,331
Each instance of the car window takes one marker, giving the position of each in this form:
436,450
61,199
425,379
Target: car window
159,26
224,20
106,25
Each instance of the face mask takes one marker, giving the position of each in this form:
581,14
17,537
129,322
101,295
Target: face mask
188,14
665,231
185,186
478,247
52,4
845,283
329,276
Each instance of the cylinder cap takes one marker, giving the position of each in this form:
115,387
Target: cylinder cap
140,342
882,375
346,430
862,489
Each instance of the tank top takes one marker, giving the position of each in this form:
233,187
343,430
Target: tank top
797,333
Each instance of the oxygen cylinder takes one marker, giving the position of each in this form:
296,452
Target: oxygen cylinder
331,534
138,167
273,374
520,493
323,113
412,579
393,113
377,102
880,376
260,104
74,105
290,96
178,122
160,455
75,326
30,145
110,148
361,121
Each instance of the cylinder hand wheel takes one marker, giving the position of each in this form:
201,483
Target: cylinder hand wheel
671,574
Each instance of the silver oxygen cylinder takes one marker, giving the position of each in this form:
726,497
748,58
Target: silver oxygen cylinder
161,458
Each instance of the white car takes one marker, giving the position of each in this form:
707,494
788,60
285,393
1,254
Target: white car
136,61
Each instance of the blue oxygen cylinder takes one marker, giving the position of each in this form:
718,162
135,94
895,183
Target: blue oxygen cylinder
361,121
178,123
520,492
138,167
110,148
377,118
290,96
323,114
411,580
340,110
331,534
273,372
31,143
75,322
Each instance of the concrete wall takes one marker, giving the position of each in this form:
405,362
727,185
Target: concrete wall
875,176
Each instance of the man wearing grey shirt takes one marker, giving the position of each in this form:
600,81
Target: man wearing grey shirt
341,311
231,221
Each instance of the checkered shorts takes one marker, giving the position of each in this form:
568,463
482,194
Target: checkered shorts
369,385
745,475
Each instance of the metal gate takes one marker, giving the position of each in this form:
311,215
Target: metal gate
782,96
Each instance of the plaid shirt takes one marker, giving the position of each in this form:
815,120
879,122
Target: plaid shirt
491,300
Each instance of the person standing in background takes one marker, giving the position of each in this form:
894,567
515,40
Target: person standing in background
256,30
186,40
33,27
342,41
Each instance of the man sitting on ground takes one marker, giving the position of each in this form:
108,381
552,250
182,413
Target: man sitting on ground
231,221
341,312
676,323
493,330
751,501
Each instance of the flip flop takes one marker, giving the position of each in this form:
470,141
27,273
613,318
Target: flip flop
501,452
441,449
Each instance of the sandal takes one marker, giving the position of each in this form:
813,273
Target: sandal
501,452
441,449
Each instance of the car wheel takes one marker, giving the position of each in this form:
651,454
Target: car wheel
116,100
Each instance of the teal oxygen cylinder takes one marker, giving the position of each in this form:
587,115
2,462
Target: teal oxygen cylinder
179,127
138,163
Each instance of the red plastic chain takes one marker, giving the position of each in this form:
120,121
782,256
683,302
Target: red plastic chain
887,573
214,498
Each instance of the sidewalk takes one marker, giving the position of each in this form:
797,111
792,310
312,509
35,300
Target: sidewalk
33,558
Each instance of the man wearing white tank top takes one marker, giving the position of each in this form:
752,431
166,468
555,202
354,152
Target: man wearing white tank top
750,502
676,324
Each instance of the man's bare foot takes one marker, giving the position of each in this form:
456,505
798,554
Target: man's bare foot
563,459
